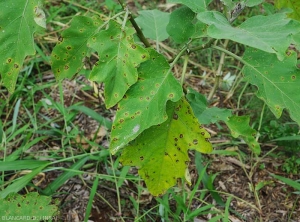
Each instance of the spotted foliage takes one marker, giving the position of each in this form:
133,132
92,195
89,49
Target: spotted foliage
278,82
161,152
71,48
18,23
119,58
145,102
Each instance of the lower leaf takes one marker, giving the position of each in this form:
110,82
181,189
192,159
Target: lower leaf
161,152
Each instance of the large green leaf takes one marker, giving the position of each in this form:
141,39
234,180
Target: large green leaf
67,56
180,26
18,22
195,5
161,152
278,82
272,33
239,126
119,58
292,4
153,24
145,102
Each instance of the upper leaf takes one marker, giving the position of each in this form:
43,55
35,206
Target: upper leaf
161,152
153,24
195,5
277,81
145,102
272,33
67,56
17,26
119,58
180,27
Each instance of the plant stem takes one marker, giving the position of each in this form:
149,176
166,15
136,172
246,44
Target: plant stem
218,74
186,59
260,121
136,27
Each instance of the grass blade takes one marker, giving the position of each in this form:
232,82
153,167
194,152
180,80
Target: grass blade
51,188
92,195
21,164
20,183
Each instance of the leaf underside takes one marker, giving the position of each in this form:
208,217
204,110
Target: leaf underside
161,152
195,5
272,33
17,26
144,103
153,24
277,81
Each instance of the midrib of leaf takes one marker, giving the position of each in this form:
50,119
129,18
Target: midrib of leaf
272,83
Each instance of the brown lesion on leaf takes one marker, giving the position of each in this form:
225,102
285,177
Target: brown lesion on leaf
175,116
166,154
171,95
293,77
66,67
121,120
143,56
195,141
141,158
68,47
178,148
116,95
133,46
181,135
16,66
9,60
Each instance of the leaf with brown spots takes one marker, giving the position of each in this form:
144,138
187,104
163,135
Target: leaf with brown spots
119,58
161,152
145,102
278,82
17,26
71,48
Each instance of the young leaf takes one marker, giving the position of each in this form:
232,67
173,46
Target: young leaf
153,24
119,58
277,81
239,126
67,56
145,102
293,4
17,26
195,5
161,152
204,114
180,26
272,33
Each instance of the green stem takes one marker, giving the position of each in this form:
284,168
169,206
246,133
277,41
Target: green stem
240,96
260,121
218,74
186,59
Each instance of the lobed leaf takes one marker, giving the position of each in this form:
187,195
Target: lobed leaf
161,152
180,26
68,54
272,33
239,126
277,81
153,24
17,26
119,58
195,5
144,103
